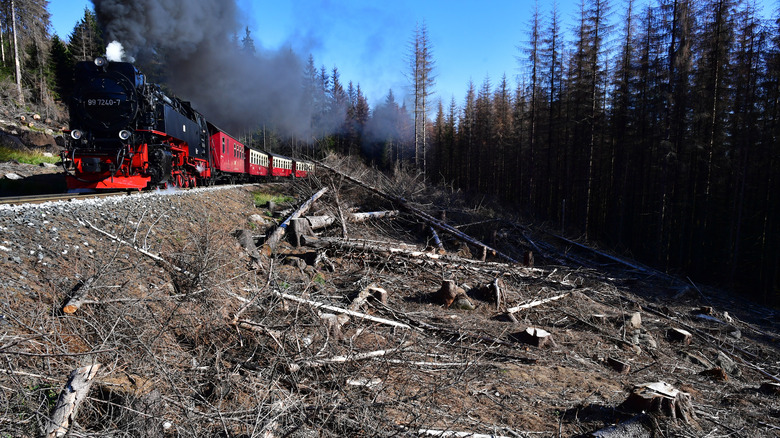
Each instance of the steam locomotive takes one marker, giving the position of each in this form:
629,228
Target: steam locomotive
127,133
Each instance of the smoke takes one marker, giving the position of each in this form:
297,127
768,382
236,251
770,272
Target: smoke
115,52
189,45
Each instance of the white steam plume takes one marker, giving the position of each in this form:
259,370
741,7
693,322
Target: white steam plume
115,52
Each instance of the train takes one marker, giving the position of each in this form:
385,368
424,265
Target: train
128,134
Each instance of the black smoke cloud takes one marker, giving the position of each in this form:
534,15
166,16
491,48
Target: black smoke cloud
193,39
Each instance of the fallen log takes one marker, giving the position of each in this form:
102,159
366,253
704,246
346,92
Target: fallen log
355,357
436,240
362,217
71,396
441,226
535,303
385,247
270,244
324,306
318,222
78,296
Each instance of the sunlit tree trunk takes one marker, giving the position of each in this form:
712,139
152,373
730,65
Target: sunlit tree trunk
17,63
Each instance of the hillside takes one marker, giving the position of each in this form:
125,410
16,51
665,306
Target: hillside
200,330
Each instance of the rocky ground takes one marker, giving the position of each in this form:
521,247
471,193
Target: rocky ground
197,335
29,133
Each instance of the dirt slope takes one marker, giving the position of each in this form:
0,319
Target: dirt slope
202,342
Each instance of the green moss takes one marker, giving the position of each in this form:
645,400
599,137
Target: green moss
35,157
261,199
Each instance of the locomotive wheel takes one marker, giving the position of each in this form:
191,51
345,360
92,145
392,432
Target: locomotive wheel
178,181
193,182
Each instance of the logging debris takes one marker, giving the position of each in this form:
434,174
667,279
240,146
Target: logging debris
345,335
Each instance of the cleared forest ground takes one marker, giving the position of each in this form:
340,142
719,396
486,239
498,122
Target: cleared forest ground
200,332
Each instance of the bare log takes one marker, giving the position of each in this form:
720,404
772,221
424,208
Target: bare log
319,222
355,357
386,247
279,232
74,392
324,306
535,303
362,217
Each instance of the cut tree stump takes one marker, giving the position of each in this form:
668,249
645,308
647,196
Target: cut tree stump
448,292
619,366
635,321
528,259
537,337
74,392
661,398
247,242
371,291
679,335
279,232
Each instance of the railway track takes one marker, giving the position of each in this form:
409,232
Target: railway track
39,199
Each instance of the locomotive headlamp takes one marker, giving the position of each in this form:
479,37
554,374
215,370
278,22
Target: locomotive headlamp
124,134
100,61
76,134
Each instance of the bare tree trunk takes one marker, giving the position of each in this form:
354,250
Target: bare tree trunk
16,55
2,45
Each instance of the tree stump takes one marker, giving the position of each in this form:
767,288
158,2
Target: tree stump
528,259
679,335
299,227
619,366
660,398
537,337
448,292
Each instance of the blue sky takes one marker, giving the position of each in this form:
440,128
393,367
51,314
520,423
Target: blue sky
368,40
